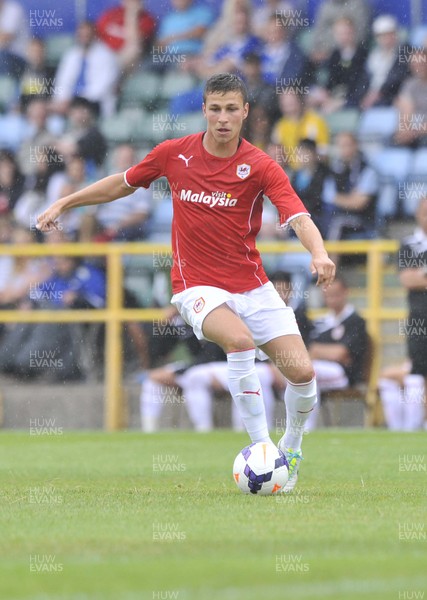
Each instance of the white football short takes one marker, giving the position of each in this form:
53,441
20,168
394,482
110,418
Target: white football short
262,310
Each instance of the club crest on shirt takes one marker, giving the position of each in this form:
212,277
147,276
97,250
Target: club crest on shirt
198,305
243,171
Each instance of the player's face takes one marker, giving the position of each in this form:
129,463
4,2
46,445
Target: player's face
225,114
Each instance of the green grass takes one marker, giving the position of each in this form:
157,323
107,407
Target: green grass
88,502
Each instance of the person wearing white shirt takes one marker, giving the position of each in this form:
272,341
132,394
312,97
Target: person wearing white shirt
90,70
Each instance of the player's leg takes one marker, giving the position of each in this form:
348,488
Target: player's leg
290,355
152,396
197,394
225,328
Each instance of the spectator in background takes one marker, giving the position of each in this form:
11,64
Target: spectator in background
82,135
181,30
39,139
89,69
359,11
294,296
356,191
282,62
346,76
284,9
258,91
338,344
38,78
384,67
412,103
72,179
298,122
413,277
125,220
46,163
257,129
11,182
13,38
314,184
128,30
20,273
229,57
219,33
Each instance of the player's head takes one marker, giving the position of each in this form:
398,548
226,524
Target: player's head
421,214
336,295
223,83
225,106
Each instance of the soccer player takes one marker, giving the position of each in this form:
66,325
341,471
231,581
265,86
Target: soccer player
219,285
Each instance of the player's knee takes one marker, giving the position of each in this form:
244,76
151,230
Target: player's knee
237,342
304,375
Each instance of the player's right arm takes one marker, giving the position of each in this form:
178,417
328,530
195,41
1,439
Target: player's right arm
105,190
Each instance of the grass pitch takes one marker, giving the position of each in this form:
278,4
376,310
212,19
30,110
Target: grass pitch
127,516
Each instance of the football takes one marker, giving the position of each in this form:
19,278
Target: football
260,468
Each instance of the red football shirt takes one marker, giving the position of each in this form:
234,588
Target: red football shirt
111,27
217,206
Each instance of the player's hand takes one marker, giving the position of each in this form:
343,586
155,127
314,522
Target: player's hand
48,220
325,269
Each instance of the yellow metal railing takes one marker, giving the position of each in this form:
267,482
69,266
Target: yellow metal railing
114,314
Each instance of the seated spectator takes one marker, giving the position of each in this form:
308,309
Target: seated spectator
181,30
73,178
259,93
46,163
229,57
385,69
282,62
125,220
128,30
39,137
257,128
338,344
412,103
359,11
21,273
314,183
357,187
400,413
89,69
82,135
11,182
298,122
219,33
38,78
284,9
345,68
52,349
13,38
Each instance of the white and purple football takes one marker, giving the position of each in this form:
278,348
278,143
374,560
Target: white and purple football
260,468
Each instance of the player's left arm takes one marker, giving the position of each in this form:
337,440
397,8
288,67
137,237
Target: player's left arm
310,238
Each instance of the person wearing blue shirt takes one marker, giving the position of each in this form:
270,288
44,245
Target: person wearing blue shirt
181,31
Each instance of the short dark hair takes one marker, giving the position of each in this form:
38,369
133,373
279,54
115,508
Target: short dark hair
223,83
281,276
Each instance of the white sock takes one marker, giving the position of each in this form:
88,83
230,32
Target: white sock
313,416
391,400
300,399
197,394
246,391
151,402
413,402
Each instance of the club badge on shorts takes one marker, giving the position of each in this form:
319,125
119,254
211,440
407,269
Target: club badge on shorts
198,305
243,171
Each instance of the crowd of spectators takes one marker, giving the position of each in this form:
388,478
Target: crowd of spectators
57,129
